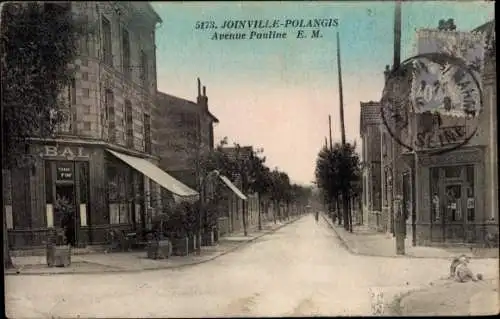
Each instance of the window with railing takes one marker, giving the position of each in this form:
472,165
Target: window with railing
144,68
129,124
107,48
147,133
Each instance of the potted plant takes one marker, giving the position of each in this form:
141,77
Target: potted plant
159,246
58,250
176,230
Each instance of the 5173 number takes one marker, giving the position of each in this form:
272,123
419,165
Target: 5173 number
203,25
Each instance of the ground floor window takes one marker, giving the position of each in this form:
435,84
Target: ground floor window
119,203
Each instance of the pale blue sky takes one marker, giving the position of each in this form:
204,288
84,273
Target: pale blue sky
277,94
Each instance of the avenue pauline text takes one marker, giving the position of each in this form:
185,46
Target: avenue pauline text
266,29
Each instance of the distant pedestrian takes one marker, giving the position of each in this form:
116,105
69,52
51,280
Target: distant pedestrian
316,216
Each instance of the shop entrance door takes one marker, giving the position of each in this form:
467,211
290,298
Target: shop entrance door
454,210
67,199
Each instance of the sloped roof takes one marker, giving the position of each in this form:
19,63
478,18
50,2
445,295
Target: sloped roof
163,99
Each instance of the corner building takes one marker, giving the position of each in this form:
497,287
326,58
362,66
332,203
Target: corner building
103,158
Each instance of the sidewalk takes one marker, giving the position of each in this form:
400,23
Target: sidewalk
451,298
137,261
364,241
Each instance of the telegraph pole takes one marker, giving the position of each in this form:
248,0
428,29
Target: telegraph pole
345,195
330,130
399,219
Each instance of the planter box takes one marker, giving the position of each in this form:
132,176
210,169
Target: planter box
159,249
58,256
180,246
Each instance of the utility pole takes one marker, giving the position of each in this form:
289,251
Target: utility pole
330,130
399,219
345,197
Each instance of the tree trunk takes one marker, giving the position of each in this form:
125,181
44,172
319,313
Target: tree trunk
245,232
259,214
7,260
339,215
274,211
345,204
350,213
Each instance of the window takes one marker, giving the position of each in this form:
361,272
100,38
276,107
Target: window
84,45
471,205
72,92
109,102
453,171
119,204
107,52
435,200
147,133
126,52
129,124
144,68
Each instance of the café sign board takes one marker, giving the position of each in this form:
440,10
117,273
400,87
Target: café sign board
64,152
65,171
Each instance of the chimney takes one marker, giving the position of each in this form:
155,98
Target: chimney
204,98
387,72
199,99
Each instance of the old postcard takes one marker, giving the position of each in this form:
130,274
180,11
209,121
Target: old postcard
250,159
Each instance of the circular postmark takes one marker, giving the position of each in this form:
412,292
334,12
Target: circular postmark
432,102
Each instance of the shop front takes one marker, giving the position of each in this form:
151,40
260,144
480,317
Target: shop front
450,197
87,190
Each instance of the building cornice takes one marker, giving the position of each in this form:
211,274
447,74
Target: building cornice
94,142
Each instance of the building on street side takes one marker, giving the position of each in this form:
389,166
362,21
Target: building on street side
370,129
455,192
185,130
102,162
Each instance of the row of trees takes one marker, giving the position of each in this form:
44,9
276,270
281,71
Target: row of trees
338,175
247,168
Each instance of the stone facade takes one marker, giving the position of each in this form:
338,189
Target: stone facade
110,105
370,128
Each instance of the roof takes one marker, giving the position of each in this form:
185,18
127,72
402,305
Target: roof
180,103
369,114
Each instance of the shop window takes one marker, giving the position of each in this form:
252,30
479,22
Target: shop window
453,171
471,205
435,200
119,203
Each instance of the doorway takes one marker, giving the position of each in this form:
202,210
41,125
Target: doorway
65,211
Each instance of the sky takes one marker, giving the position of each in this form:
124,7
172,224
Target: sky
276,94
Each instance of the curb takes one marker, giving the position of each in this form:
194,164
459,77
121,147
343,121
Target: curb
115,270
355,252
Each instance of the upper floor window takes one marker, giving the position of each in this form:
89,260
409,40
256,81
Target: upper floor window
107,51
72,92
144,67
126,52
109,101
147,133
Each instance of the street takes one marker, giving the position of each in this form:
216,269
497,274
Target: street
300,270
